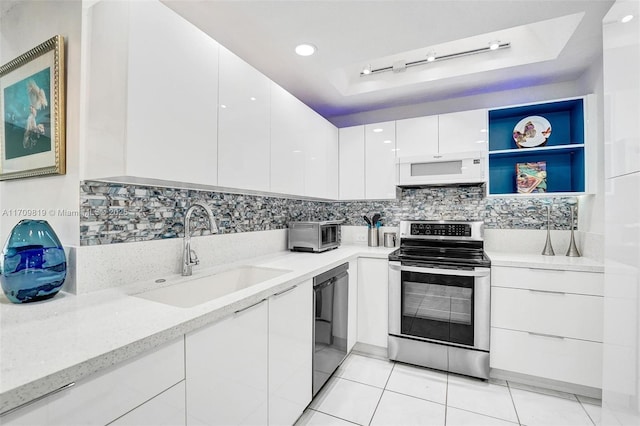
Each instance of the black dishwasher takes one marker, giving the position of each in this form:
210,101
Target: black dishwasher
330,302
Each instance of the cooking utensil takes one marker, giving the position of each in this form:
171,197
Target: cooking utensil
366,219
375,219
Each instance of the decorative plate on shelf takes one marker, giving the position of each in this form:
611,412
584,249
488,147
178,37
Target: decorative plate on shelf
532,131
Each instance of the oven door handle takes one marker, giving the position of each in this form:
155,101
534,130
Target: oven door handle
476,272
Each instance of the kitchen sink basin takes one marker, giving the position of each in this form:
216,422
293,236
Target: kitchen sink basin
192,292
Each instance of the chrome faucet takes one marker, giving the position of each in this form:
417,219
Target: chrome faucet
189,257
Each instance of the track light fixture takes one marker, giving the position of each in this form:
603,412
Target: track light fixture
432,57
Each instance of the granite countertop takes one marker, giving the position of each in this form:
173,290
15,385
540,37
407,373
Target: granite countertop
538,261
47,345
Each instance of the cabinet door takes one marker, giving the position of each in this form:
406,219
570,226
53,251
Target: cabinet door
227,370
380,161
351,171
290,353
172,92
320,135
166,409
417,136
373,301
243,125
288,148
463,131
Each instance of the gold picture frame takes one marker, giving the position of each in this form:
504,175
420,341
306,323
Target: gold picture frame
32,111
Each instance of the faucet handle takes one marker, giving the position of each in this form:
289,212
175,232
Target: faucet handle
193,258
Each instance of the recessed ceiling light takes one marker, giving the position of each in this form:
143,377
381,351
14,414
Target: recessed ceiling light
431,56
483,130
626,19
296,151
223,106
480,141
366,70
387,141
494,45
252,98
377,130
305,49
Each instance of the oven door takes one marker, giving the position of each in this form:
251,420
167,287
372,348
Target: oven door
440,304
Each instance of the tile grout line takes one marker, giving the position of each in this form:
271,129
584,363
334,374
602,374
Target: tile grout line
334,416
585,410
382,394
446,401
514,403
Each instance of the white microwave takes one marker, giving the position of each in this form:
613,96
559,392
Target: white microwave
442,169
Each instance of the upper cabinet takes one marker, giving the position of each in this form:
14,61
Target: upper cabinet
417,136
351,155
380,160
304,149
464,131
151,98
368,162
243,125
539,148
166,102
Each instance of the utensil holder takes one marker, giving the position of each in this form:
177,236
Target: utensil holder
373,237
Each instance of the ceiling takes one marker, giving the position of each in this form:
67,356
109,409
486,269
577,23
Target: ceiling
351,34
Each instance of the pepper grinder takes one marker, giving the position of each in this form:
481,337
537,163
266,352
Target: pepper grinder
548,249
573,251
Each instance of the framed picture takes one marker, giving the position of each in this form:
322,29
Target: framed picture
32,107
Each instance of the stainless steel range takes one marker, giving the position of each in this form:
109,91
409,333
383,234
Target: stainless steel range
439,297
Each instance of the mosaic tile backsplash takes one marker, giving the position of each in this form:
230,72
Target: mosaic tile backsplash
117,213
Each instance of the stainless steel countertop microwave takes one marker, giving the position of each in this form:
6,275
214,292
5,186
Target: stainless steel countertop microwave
314,236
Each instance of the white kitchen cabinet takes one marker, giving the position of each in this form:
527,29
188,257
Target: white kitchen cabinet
290,353
547,323
243,125
464,131
288,147
417,136
227,366
108,395
166,409
380,161
373,301
351,163
151,98
320,178
352,324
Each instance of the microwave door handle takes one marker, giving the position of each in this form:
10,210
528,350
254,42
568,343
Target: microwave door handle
477,272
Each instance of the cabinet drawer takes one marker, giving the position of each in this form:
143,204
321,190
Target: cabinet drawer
166,409
107,395
563,359
560,314
591,283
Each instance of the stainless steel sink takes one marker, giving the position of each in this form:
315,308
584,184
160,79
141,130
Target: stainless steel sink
186,294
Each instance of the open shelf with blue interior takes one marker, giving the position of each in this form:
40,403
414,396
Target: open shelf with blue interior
564,151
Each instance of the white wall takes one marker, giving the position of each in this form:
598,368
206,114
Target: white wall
25,24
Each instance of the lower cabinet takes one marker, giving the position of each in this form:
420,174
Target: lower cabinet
226,365
253,367
290,353
547,323
352,319
373,301
104,397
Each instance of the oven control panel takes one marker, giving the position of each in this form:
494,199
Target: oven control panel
442,230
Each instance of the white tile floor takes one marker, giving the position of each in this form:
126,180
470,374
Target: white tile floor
371,391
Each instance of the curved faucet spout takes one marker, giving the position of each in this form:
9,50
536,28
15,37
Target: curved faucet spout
189,257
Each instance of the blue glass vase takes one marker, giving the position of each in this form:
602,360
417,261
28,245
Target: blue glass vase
33,265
